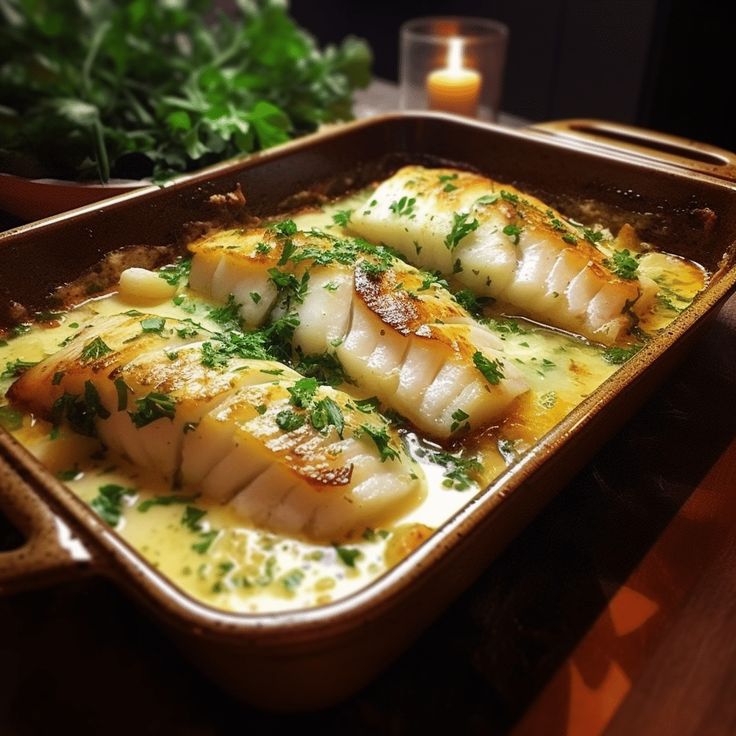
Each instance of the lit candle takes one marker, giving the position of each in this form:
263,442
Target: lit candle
454,88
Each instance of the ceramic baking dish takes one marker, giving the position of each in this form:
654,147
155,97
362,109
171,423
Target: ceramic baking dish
676,194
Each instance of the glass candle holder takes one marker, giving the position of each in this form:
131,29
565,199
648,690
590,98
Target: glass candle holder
453,65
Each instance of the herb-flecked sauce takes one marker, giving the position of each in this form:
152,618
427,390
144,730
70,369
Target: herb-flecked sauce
213,554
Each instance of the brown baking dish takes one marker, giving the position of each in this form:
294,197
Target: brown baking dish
677,195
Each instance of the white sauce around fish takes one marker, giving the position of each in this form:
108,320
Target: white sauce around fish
185,510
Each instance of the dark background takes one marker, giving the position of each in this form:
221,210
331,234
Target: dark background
662,64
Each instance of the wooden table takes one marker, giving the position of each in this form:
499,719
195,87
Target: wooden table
615,609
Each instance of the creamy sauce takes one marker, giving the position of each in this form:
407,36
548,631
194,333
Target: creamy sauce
217,557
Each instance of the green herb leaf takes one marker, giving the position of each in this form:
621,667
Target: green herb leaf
228,315
460,472
348,555
109,502
122,390
460,229
382,440
94,349
514,232
191,518
459,416
367,406
205,541
617,356
292,579
287,228
151,407
17,367
289,420
175,273
623,264
153,324
492,370
302,392
404,207
325,367
325,413
342,217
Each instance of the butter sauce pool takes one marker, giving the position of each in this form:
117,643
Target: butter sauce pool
214,556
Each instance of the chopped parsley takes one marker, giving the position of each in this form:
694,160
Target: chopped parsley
235,344
109,502
292,579
287,252
69,473
94,349
492,370
447,180
153,324
617,356
342,217
174,273
302,392
152,407
459,471
381,439
486,199
623,264
432,279
548,400
286,228
191,518
348,555
592,236
459,416
228,315
17,367
460,229
367,406
288,284
510,196
205,541
325,367
326,413
404,207
473,304
79,411
508,451
513,232
506,326
122,389
289,421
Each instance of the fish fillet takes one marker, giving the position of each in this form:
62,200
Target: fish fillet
320,467
397,331
504,244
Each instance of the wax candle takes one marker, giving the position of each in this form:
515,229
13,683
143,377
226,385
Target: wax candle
454,89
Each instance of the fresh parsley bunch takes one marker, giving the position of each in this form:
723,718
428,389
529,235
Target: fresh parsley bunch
90,90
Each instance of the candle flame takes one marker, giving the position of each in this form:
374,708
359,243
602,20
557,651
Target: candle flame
455,53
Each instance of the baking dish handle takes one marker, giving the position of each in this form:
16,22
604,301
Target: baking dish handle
642,143
51,552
